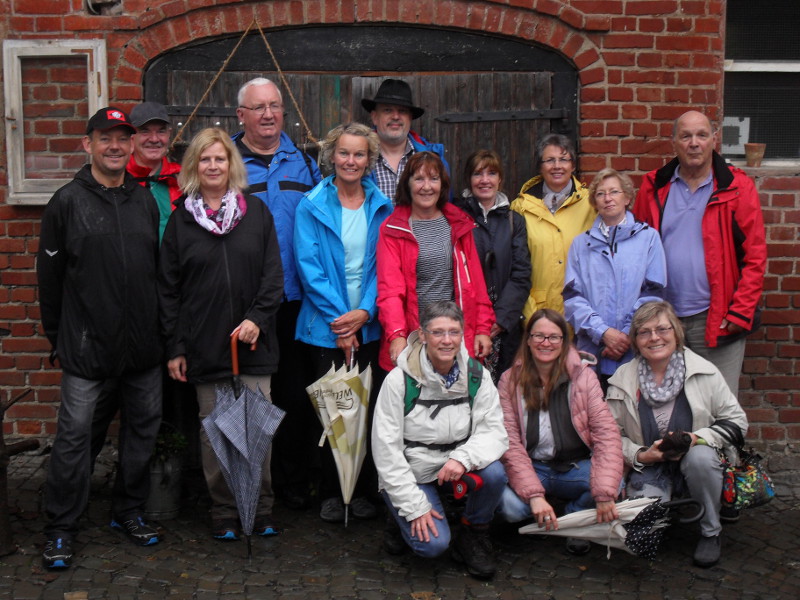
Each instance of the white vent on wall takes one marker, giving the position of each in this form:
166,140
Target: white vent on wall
735,132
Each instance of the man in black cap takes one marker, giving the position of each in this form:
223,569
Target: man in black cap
148,163
97,292
392,111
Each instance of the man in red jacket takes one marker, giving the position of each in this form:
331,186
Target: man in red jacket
709,217
148,163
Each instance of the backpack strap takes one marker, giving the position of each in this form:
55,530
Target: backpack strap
411,393
474,378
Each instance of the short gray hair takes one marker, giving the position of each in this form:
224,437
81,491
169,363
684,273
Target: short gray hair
359,129
559,141
441,308
255,82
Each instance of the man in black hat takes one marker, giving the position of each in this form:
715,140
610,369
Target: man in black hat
392,111
97,293
148,163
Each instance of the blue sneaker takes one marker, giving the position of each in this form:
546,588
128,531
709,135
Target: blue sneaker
57,553
225,529
137,529
265,526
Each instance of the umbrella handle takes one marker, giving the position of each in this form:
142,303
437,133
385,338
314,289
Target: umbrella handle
235,349
686,502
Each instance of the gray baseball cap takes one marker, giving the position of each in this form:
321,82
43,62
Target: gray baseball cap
148,111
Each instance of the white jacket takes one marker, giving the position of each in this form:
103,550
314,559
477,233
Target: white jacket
710,399
401,469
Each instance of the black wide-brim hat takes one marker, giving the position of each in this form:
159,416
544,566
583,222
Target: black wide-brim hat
395,92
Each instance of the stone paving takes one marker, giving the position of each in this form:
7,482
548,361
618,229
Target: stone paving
313,560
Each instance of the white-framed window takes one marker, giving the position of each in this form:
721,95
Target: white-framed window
51,89
762,79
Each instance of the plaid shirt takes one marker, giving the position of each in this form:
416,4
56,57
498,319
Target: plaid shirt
386,178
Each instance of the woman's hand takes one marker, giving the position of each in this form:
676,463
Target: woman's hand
423,526
451,471
248,333
348,345
396,346
349,323
543,513
651,455
616,343
495,330
177,368
607,511
483,345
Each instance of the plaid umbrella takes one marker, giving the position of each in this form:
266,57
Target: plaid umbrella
240,429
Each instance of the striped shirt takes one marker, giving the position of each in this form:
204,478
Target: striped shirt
435,261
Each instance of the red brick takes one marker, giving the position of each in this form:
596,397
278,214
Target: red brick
789,351
677,60
651,25
621,59
645,129
659,77
698,78
777,382
25,344
650,60
571,17
29,410
772,433
755,365
789,415
601,146
761,415
790,284
28,363
620,94
650,7
30,427
599,112
777,398
597,23
624,24
591,129
781,183
608,7
627,40
593,94
676,95
618,128
634,111
591,76
777,301
649,94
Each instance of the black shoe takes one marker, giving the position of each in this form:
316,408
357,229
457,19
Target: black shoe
225,529
728,514
473,548
578,547
707,552
137,529
393,541
332,510
57,553
265,526
363,509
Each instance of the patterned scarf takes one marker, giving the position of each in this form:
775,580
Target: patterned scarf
219,222
657,395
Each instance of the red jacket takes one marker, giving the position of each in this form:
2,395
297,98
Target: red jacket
168,176
591,419
398,309
733,239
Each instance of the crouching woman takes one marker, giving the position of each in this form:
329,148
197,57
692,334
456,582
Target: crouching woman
438,417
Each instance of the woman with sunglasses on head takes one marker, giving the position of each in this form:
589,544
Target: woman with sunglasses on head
561,436
556,209
612,269
668,389
502,244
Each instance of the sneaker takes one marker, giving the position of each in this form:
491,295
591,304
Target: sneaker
225,529
578,547
393,541
707,552
265,526
332,510
137,529
57,553
361,508
473,548
728,514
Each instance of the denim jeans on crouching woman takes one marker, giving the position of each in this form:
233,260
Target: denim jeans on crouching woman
572,485
480,509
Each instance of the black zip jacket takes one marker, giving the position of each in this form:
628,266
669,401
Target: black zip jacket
208,284
97,264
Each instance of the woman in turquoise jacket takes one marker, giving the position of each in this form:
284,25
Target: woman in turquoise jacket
335,236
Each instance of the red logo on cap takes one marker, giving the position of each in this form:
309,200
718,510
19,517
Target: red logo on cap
115,115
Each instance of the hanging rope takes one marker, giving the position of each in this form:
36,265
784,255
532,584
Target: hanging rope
211,85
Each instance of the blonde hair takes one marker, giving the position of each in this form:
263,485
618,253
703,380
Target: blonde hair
189,179
624,182
652,310
357,129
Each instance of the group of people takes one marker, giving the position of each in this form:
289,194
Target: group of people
466,304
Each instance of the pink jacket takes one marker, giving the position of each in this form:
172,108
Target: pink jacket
592,421
398,309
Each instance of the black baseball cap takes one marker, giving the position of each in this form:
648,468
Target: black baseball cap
108,118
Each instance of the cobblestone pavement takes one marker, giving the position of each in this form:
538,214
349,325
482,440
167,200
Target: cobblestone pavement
312,559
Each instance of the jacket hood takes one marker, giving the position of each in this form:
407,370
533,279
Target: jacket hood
626,378
413,361
722,172
530,195
325,195
628,229
461,223
470,204
87,180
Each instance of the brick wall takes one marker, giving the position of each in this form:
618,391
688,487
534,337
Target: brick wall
641,63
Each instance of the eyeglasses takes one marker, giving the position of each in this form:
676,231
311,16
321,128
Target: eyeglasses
661,332
539,338
552,162
275,107
439,334
609,193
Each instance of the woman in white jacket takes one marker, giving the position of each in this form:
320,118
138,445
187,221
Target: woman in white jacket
668,388
438,417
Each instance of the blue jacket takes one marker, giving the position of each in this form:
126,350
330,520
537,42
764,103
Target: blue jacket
281,185
607,280
319,255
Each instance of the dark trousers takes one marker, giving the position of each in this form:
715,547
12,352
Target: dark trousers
67,487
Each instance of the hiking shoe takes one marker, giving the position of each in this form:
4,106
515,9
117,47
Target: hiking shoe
473,548
578,547
265,526
361,508
707,552
393,541
225,529
332,510
57,553
137,529
728,514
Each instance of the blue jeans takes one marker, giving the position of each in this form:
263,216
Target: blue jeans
67,487
480,509
572,485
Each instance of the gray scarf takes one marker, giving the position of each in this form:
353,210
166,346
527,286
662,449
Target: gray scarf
657,395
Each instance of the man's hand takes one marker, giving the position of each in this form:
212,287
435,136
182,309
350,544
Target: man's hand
451,471
423,526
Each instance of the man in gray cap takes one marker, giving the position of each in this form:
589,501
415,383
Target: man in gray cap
148,163
392,110
96,267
